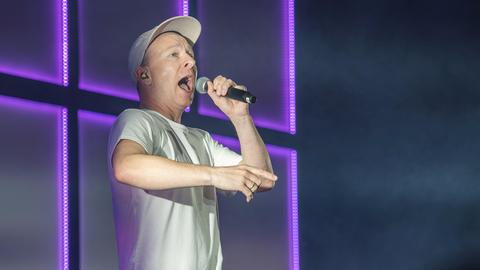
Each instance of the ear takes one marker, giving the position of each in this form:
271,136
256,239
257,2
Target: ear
142,74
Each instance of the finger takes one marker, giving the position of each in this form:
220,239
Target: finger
210,87
226,85
251,185
211,92
241,87
254,187
253,178
247,192
268,184
262,173
217,84
252,181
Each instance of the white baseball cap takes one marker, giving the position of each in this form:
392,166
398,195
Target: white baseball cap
186,26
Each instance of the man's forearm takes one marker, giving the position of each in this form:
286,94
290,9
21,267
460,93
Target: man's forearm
158,173
155,173
254,152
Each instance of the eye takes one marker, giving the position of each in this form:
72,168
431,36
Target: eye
174,54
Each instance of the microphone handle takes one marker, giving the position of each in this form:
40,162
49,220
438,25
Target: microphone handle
241,95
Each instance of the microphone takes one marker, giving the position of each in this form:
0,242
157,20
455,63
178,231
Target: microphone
234,93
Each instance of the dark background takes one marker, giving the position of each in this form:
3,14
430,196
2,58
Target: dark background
388,98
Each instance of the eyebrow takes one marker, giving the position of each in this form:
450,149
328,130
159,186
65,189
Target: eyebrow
189,52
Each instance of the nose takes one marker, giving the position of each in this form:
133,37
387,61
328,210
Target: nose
189,62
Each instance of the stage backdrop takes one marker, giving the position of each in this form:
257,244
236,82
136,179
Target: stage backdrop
59,57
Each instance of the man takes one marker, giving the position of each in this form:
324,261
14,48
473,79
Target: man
164,174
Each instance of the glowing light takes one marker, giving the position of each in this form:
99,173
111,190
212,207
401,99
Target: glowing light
106,119
291,65
183,7
65,42
63,192
293,213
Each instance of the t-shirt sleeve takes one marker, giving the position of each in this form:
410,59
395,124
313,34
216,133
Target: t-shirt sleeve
132,125
222,156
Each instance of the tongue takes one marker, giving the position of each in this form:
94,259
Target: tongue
184,86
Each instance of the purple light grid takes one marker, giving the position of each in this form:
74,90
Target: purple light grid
27,104
63,196
259,121
108,90
288,39
121,92
292,195
62,171
91,85
28,72
105,119
61,49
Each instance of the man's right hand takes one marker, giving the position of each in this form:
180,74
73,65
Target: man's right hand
243,178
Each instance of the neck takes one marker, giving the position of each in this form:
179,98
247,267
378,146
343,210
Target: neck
174,115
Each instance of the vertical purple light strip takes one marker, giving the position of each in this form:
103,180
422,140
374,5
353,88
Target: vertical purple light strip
291,65
183,10
63,194
293,213
65,42
183,7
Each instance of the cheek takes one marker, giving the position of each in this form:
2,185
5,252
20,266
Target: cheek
164,72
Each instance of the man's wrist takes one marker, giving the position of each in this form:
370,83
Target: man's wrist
209,171
239,121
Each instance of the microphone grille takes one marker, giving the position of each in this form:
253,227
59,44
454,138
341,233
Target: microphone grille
201,85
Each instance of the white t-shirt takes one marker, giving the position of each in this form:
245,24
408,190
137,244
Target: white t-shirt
167,229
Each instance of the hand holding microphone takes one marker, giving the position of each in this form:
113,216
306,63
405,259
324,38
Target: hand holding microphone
232,91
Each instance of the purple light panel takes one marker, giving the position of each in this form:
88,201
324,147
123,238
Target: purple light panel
251,68
97,245
105,37
40,54
104,119
292,194
61,183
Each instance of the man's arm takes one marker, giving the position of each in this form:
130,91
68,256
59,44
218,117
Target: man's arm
133,166
254,152
253,149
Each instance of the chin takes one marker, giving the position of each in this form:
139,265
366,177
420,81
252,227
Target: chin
184,104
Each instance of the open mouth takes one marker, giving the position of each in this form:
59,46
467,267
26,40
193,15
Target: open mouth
186,83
